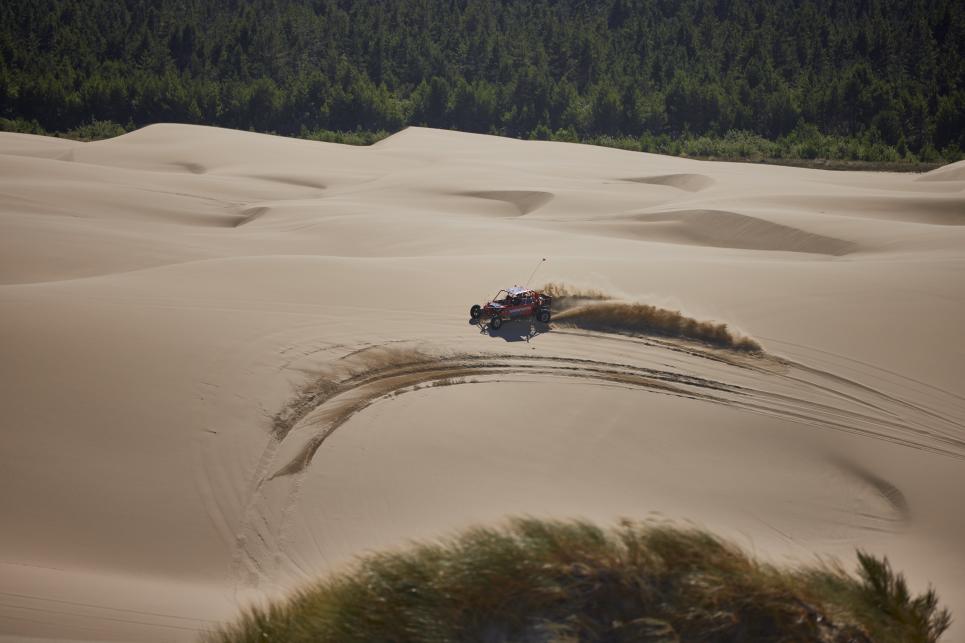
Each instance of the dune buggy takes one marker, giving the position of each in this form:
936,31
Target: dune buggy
513,303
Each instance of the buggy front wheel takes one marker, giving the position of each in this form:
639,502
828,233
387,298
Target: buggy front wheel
496,322
475,311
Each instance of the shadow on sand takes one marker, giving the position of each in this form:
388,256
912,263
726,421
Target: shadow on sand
513,331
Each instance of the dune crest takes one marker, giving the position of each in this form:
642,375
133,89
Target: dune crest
685,182
721,229
524,201
950,172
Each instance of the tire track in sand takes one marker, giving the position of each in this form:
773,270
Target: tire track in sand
766,385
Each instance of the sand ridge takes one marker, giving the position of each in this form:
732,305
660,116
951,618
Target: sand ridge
525,201
721,229
686,182
232,361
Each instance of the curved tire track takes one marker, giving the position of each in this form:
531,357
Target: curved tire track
768,386
822,403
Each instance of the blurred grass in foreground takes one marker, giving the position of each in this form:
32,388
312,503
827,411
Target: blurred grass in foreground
536,580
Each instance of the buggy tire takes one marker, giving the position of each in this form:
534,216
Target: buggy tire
475,311
543,316
496,322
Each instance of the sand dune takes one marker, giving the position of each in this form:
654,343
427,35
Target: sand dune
686,182
951,172
720,229
524,201
932,210
231,361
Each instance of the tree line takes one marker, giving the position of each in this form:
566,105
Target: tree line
886,73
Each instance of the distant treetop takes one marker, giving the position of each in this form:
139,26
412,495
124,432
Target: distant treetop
891,71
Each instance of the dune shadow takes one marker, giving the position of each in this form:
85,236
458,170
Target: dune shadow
686,182
512,331
524,201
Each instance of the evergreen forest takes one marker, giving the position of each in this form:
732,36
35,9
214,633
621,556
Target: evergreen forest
865,80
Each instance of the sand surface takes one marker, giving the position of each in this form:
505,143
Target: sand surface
166,295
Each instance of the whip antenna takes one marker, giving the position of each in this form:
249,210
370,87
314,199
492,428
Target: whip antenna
532,274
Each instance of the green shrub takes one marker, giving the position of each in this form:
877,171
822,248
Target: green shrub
95,131
541,133
566,135
537,580
345,138
21,126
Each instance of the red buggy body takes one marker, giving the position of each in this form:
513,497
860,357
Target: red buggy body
514,303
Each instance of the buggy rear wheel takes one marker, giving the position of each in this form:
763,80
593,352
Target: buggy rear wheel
496,322
543,316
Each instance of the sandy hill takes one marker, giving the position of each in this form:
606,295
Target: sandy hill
165,296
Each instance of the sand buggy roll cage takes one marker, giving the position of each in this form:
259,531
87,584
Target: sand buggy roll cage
513,303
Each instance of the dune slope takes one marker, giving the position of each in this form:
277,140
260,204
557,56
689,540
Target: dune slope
232,362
